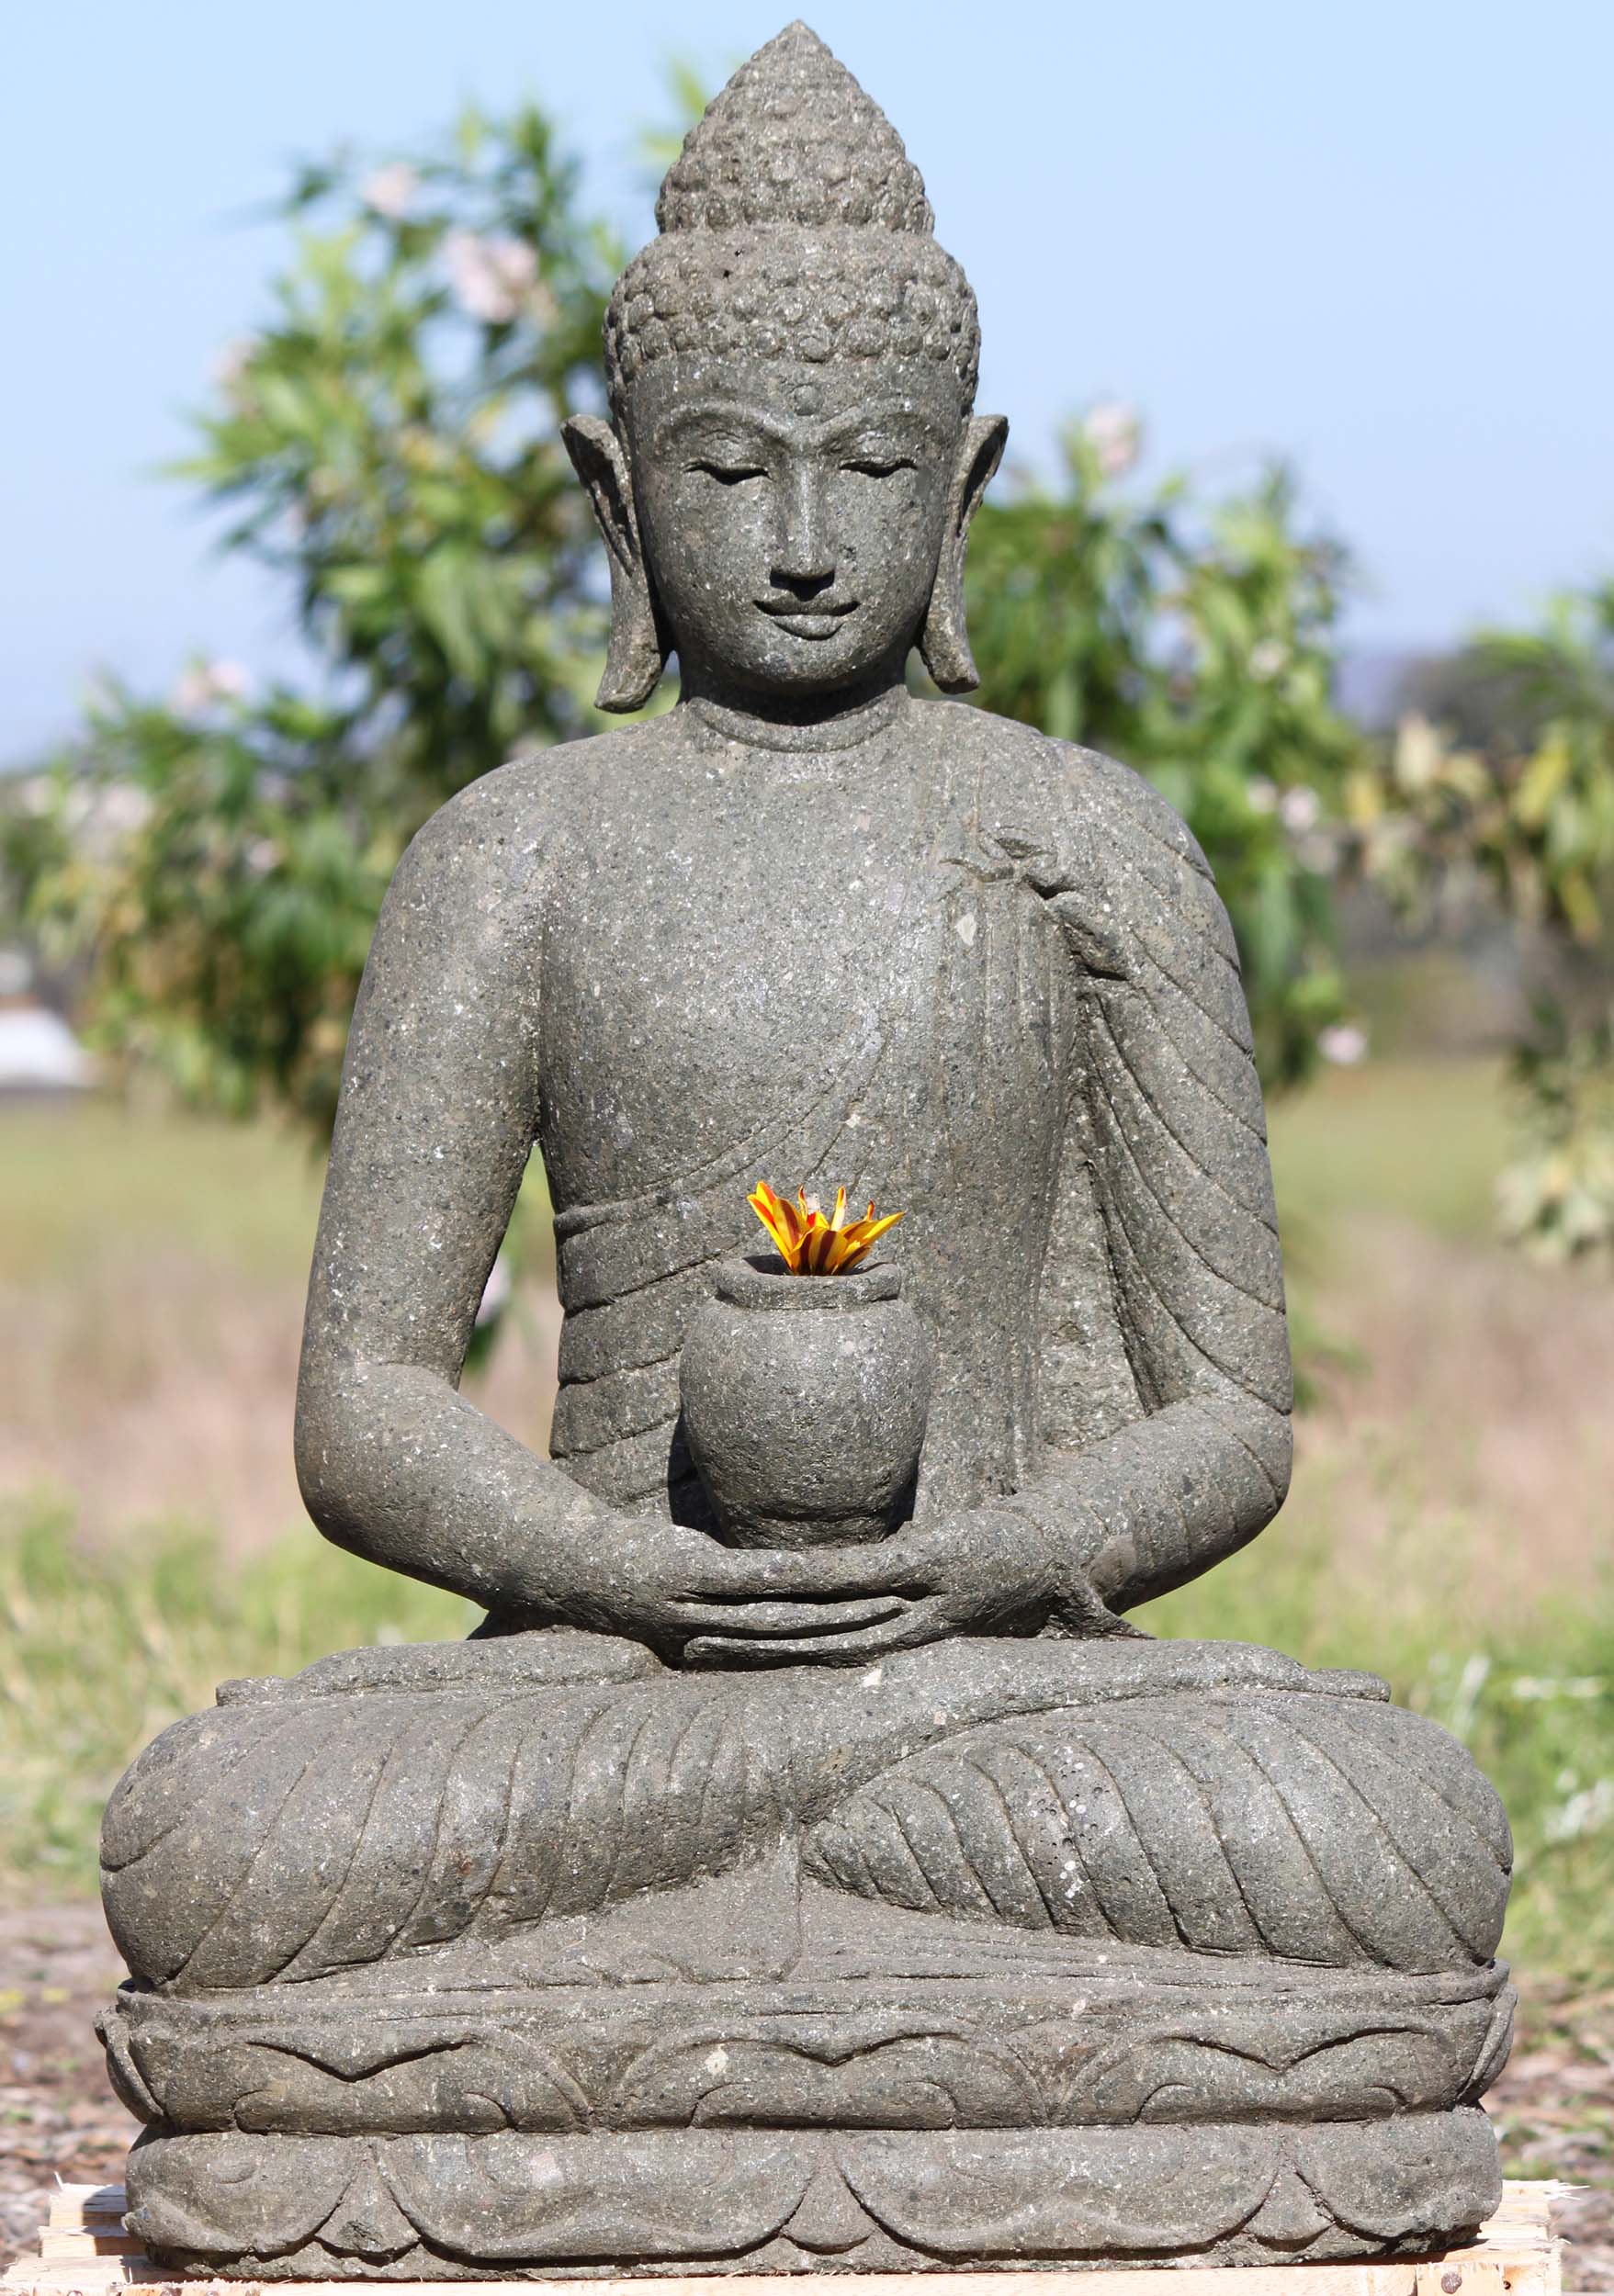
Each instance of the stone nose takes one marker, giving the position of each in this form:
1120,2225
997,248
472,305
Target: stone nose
804,547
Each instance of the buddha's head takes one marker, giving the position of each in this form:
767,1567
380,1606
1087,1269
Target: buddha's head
792,462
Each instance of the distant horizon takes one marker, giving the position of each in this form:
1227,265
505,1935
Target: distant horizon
1369,249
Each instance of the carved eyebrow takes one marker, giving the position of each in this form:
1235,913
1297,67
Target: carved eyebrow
842,433
714,414
879,438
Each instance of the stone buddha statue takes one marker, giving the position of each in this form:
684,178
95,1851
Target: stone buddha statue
869,1903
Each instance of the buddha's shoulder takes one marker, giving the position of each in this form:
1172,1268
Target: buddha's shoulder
1065,795
544,795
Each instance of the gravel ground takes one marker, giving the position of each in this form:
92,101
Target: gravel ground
1554,2106
58,2117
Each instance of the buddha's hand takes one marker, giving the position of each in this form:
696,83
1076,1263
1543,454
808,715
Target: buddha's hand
671,1587
995,1570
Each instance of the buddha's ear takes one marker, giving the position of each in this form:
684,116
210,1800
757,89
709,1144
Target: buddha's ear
635,657
944,641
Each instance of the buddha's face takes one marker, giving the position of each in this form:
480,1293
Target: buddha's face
792,515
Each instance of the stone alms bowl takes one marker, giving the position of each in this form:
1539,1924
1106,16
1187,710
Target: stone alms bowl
805,1402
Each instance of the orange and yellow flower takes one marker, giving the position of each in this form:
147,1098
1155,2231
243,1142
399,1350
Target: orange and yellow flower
810,1245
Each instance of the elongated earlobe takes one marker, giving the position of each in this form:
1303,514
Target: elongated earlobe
635,657
945,640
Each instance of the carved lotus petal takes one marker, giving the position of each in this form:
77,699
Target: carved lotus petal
830,2079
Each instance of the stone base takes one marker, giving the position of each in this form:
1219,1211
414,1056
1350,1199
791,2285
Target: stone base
1040,2104
84,2250
1012,2034
531,2205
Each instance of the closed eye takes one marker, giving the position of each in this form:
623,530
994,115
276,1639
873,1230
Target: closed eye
729,474
877,466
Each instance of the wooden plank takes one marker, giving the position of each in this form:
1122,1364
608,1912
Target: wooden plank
1396,2278
95,2276
73,2206
83,2251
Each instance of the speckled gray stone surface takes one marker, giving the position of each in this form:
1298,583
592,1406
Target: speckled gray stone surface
809,1865
805,1403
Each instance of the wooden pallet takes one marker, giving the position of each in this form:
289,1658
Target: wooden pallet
85,2251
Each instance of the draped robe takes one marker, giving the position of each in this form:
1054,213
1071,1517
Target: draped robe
991,984
1007,1002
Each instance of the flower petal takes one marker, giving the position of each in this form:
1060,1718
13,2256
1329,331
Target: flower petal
808,1242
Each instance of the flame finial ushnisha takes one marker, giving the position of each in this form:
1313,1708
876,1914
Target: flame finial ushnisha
793,224
793,139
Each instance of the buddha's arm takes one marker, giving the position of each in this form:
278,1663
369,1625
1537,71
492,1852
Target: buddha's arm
1170,1139
436,1123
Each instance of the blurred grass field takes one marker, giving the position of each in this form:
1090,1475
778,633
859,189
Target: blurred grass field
1449,1525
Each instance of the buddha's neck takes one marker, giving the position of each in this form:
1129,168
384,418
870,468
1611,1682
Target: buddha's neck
815,723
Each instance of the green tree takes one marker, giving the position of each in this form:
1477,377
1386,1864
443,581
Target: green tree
1524,825
389,444
1199,642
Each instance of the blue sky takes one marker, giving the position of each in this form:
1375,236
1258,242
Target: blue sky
1373,237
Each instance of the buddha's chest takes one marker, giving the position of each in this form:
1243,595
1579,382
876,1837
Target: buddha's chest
731,951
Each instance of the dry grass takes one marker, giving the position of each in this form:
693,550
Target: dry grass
1459,1452
1462,1451
1473,1451
150,1296
151,1275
